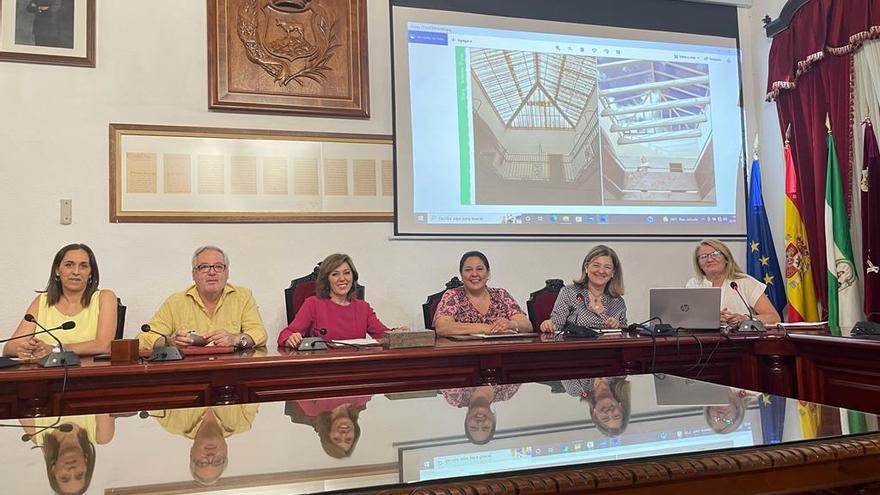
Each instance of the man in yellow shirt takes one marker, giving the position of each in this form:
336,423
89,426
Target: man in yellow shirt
208,428
224,314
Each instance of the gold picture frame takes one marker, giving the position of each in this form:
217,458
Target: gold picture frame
54,32
170,174
304,57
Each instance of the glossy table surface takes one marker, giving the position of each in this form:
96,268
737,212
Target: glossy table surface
400,440
836,371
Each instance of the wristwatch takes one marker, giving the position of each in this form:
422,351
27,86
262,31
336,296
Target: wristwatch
243,341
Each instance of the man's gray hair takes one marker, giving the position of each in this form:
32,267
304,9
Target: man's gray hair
209,248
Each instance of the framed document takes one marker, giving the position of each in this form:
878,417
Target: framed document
303,57
199,174
59,32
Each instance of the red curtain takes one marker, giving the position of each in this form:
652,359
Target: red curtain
810,75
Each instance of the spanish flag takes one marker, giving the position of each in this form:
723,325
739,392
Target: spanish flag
801,292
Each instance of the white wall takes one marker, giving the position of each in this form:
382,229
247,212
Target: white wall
151,69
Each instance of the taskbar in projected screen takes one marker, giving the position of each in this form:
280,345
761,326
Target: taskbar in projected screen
647,131
578,223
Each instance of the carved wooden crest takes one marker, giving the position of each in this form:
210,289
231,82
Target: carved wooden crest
298,56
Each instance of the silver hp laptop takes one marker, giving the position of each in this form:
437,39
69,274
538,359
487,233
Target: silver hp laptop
690,309
677,391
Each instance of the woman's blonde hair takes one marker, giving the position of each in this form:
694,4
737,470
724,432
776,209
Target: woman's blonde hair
732,270
614,287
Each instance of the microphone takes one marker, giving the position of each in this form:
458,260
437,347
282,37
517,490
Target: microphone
67,325
312,343
55,359
66,428
573,330
146,414
750,325
164,353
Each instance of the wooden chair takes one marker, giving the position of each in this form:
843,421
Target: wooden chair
540,303
430,306
120,319
303,287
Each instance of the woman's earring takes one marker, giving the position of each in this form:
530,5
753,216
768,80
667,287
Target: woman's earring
57,278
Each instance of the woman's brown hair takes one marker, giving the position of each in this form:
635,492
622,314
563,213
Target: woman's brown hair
53,287
330,263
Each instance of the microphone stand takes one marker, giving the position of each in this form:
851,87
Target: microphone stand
750,325
61,357
165,353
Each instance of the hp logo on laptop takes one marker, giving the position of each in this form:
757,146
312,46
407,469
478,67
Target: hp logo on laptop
685,308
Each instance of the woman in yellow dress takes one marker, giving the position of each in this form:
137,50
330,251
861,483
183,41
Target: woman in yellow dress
71,294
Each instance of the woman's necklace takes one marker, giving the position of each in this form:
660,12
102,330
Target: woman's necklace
595,302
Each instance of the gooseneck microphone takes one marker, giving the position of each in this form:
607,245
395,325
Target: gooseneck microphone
61,357
67,325
750,325
66,428
148,414
164,353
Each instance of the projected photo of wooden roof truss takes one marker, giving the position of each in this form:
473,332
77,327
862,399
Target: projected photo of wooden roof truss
535,90
651,101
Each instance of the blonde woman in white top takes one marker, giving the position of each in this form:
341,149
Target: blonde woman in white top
71,294
715,267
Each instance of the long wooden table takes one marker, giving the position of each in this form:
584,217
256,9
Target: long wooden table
815,368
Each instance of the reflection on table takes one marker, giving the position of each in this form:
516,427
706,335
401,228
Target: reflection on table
311,446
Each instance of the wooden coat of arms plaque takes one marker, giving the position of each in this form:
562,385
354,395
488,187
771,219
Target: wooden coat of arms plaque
306,57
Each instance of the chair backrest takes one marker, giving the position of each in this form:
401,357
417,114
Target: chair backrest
303,287
120,319
430,306
540,303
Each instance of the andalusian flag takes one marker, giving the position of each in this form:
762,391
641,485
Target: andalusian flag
802,305
844,305
856,421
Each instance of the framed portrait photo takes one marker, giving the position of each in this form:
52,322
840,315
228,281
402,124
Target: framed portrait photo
55,32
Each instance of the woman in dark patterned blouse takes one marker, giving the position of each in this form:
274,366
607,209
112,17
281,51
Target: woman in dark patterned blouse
595,300
608,399
476,308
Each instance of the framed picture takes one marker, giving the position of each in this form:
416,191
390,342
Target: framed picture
203,174
59,32
306,57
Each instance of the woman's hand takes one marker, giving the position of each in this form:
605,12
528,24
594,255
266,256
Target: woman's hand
294,340
732,319
547,326
33,348
611,322
502,325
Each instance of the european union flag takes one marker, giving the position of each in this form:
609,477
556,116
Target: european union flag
761,261
772,409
